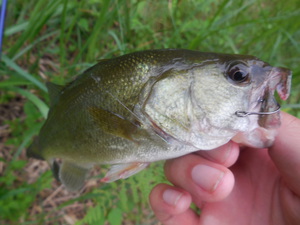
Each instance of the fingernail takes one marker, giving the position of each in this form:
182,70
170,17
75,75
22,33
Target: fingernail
171,196
208,178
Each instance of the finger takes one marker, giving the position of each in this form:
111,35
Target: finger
205,180
171,205
225,155
286,152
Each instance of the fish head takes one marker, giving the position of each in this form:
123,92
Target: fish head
200,102
235,95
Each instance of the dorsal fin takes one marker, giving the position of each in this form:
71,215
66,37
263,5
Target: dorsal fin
54,91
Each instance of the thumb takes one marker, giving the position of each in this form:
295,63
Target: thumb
286,152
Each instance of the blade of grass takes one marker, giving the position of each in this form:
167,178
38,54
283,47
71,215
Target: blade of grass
219,11
38,18
10,83
33,44
105,18
74,21
16,28
232,45
23,73
62,40
118,41
293,41
196,41
14,192
276,46
43,108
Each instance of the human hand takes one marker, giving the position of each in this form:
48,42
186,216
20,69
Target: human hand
262,186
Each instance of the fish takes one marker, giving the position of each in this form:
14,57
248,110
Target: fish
152,105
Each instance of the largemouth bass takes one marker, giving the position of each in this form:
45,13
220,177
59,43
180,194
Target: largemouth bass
156,105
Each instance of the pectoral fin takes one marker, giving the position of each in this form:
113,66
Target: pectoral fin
112,123
122,171
72,175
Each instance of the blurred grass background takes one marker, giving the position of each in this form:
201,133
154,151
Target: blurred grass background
56,40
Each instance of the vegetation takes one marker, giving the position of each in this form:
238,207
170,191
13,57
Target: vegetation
56,40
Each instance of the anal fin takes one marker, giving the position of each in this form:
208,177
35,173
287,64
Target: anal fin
122,171
72,175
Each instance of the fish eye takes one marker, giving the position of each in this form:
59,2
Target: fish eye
238,74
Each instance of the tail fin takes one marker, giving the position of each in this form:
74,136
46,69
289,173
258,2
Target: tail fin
33,150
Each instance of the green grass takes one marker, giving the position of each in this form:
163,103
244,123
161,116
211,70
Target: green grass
56,40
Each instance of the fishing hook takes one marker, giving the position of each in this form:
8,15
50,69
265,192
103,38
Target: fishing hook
244,113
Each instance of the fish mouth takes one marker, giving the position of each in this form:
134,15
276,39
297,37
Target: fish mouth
266,108
279,80
269,113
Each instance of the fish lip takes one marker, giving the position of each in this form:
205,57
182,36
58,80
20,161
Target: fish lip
283,85
277,78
